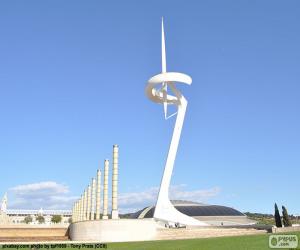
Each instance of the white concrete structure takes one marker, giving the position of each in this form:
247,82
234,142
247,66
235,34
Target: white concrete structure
157,91
89,205
114,211
81,208
84,205
105,191
88,212
93,199
76,212
114,230
98,195
73,212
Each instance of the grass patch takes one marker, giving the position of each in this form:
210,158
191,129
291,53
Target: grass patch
251,242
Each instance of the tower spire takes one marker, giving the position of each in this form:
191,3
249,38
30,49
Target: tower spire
164,67
163,48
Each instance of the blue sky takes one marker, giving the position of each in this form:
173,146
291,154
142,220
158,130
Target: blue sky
72,81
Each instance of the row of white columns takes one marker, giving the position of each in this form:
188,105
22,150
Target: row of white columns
88,206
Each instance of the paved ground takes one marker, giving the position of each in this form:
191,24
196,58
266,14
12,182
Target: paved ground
4,240
186,233
30,233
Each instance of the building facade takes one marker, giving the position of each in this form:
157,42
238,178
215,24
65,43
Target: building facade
17,216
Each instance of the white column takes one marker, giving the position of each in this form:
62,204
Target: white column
93,199
81,208
105,191
114,211
89,203
73,213
76,211
84,205
98,196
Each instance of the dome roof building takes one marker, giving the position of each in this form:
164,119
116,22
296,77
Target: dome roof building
214,215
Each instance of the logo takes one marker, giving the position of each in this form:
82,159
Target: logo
283,241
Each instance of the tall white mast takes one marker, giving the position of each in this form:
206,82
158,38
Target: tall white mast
164,67
163,48
164,210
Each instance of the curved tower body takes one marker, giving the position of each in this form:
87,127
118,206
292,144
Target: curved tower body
157,91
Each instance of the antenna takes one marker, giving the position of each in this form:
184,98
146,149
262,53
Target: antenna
164,89
163,48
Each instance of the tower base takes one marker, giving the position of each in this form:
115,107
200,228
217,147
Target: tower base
167,213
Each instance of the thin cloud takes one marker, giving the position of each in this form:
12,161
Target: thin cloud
133,201
48,195
50,187
53,195
200,195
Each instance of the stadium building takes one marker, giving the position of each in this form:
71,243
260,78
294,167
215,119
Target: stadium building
213,215
17,216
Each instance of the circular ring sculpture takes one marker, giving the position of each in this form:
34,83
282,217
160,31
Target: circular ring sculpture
157,91
167,78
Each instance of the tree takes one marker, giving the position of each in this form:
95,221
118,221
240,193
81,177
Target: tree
28,219
277,217
40,219
285,218
56,218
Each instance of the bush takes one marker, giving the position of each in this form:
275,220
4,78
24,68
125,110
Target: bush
40,219
56,219
28,219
